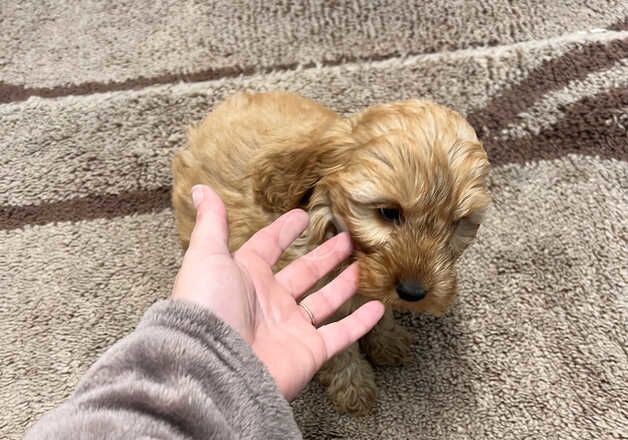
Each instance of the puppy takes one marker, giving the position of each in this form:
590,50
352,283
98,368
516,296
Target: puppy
406,180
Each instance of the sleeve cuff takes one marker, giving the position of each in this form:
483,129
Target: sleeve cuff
201,324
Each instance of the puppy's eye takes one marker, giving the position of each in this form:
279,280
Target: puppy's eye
392,215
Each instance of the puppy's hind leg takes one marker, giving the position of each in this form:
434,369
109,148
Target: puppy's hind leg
350,381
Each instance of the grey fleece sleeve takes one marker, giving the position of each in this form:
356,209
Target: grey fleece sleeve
182,374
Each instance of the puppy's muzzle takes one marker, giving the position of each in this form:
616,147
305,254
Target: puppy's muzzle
411,290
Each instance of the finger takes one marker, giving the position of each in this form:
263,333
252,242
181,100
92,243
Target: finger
327,300
339,335
304,272
211,230
270,242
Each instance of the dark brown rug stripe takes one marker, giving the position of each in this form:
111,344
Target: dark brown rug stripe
16,93
594,56
620,25
85,208
592,126
551,75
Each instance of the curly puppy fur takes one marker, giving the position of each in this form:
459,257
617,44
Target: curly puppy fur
407,180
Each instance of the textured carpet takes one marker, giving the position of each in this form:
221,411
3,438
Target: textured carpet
94,100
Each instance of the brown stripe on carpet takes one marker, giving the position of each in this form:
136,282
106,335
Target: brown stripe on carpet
16,93
587,59
552,74
594,126
621,25
86,208
54,44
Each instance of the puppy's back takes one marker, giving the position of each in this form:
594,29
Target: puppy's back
220,152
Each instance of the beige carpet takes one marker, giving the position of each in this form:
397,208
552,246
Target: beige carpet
95,97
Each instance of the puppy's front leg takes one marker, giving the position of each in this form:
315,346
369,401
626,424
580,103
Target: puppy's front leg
350,381
388,343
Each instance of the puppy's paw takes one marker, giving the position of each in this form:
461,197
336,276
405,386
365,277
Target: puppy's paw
352,390
388,346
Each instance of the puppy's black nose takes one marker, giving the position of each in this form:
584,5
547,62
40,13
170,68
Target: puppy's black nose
411,290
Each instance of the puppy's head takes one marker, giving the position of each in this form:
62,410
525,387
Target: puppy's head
408,182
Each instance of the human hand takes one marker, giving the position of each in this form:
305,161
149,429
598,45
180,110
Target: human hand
242,290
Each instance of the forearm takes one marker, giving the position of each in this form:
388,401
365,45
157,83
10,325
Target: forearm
182,373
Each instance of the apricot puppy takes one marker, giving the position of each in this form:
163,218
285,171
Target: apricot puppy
407,180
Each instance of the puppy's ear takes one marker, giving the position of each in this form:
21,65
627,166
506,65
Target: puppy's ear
469,165
322,226
285,171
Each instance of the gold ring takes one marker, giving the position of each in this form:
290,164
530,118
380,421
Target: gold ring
308,312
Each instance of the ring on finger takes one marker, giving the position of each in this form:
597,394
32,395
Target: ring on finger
308,312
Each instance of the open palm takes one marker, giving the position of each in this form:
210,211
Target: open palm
243,291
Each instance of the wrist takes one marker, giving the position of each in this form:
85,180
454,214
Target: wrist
215,335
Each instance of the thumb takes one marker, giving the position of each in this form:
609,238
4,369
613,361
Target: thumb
211,231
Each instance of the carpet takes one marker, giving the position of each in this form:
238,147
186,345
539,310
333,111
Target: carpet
95,98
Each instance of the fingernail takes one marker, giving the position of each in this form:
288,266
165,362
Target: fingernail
197,195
